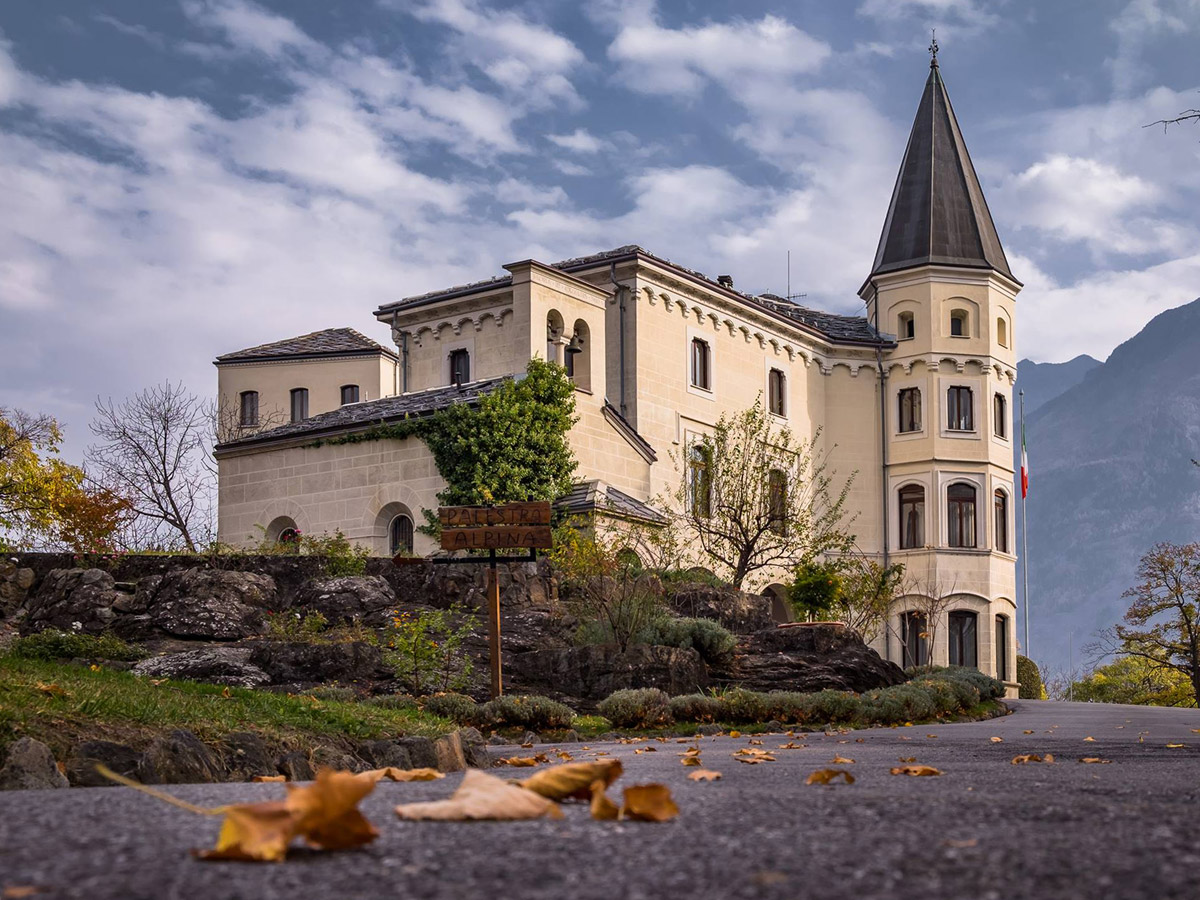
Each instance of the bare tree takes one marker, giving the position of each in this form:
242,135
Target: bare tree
929,597
153,449
755,497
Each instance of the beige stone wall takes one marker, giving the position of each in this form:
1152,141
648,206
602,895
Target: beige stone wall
274,380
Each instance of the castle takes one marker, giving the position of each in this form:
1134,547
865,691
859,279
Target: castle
915,396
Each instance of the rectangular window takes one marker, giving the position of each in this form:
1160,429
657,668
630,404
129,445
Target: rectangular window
249,409
910,409
777,392
349,393
912,517
299,404
963,647
1002,648
960,508
777,501
960,412
914,638
701,364
700,481
1000,415
1001,507
460,366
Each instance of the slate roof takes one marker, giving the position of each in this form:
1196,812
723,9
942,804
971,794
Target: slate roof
851,329
596,496
359,416
330,342
938,213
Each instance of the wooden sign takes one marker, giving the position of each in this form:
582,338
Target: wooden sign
497,537
533,513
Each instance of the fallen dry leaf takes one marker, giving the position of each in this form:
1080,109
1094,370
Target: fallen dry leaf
791,745
1032,758
527,746
261,778
829,776
1174,746
564,755
1028,731
573,780
704,775
735,734
648,803
1196,731
517,762
908,759
391,773
860,740
932,737
1090,740
752,742
603,808
915,771
996,740
841,761
1095,760
53,689
960,845
691,761
19,891
482,797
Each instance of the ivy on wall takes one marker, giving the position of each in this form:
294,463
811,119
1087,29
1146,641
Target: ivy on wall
509,446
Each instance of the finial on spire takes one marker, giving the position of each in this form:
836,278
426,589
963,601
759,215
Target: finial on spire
933,50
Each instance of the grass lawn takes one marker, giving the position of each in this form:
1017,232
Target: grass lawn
62,705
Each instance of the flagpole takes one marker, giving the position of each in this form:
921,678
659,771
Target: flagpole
1024,528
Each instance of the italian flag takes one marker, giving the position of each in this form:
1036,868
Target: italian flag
1024,466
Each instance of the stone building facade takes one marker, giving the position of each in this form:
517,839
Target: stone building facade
914,396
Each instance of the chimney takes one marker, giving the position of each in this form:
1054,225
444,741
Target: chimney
725,281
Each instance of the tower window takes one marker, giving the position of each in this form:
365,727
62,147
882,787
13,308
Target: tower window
1002,647
910,409
460,366
1000,416
349,393
700,481
960,412
701,364
964,648
248,408
1002,332
777,392
958,323
299,404
1000,505
912,517
914,639
777,501
960,515
908,327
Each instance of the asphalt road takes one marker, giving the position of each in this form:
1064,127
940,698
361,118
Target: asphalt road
984,829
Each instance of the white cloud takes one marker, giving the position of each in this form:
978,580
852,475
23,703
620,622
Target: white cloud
250,27
680,61
1136,26
580,141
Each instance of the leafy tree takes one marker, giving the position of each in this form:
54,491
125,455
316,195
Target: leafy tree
1132,679
153,449
866,593
814,589
754,497
1162,624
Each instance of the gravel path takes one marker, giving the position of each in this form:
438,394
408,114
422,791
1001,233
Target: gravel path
985,828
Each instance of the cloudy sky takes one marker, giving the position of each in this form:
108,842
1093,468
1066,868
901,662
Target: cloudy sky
182,178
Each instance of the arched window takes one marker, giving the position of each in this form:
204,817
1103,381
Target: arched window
400,535
777,500
912,517
777,392
579,356
1001,332
700,480
908,327
960,408
280,526
554,337
960,515
248,408
964,650
460,366
914,639
1002,647
1000,415
1000,507
910,409
349,393
299,404
959,323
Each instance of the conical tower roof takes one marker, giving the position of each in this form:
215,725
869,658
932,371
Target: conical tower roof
938,214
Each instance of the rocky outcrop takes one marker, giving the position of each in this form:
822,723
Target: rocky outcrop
81,767
72,600
591,673
365,599
179,757
808,658
738,611
30,767
350,662
207,604
244,755
215,665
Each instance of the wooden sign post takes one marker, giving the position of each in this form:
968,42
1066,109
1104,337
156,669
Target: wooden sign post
511,526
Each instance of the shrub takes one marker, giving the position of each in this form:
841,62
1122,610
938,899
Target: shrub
295,626
814,589
456,707
833,706
710,639
989,688
636,708
535,713
743,706
333,692
695,708
393,701
788,706
51,645
1030,679
894,705
945,700
965,693
425,649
